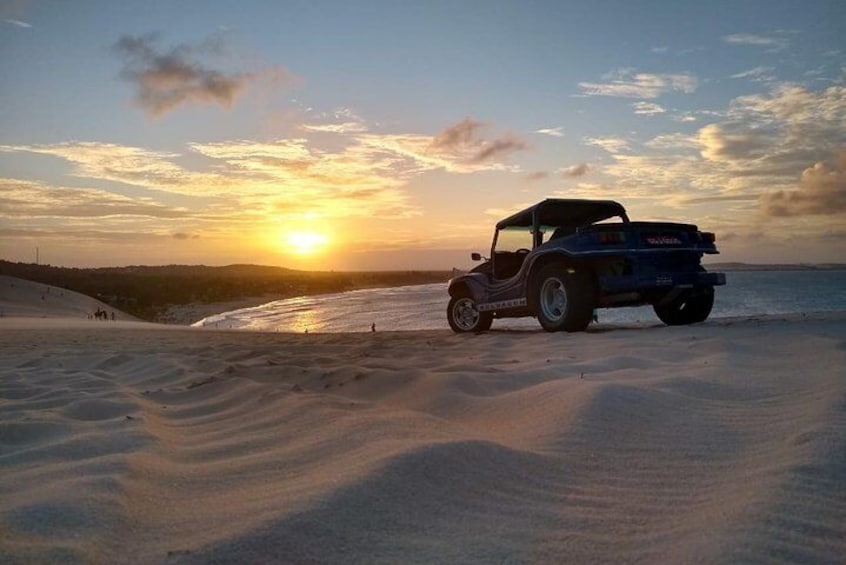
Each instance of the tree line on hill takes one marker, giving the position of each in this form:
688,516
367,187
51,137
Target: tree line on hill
146,292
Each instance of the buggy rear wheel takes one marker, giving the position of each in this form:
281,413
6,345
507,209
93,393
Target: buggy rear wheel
690,308
563,299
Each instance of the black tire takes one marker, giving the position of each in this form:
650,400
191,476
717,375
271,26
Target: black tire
563,298
464,316
690,307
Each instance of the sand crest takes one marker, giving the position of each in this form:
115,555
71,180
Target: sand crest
23,298
721,442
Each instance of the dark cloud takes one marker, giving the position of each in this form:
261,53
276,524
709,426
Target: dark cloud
822,191
735,142
461,134
167,78
492,149
463,139
183,236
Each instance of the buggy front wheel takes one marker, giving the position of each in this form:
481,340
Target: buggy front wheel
464,316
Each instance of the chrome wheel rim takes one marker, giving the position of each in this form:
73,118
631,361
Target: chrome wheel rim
465,314
553,299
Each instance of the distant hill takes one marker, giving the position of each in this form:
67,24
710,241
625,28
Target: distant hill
776,267
147,292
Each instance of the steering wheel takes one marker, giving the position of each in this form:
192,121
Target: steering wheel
523,250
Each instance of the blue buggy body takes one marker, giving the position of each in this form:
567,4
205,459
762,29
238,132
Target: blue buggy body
560,259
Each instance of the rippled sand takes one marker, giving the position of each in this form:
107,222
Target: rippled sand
129,442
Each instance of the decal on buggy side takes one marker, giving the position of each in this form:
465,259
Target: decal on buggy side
515,303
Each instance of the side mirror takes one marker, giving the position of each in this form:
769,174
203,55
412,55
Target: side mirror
475,256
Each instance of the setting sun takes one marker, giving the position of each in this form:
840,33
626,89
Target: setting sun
305,242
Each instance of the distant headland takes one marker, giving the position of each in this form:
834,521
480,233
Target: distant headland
156,293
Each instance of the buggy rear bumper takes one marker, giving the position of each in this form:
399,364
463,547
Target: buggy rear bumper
660,281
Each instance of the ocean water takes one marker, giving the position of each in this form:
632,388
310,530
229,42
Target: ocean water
423,307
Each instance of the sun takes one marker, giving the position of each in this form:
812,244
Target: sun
305,242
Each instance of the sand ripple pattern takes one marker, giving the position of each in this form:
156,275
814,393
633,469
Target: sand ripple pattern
722,442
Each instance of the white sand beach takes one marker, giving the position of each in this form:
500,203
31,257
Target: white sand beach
126,442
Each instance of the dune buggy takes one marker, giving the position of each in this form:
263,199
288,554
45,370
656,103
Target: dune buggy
561,259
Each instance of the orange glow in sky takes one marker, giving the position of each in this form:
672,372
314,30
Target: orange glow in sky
305,242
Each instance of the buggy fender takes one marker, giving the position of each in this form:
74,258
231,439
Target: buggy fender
543,258
472,284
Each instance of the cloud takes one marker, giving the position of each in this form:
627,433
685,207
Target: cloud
822,191
249,187
684,117
23,199
183,235
130,165
647,108
610,144
495,148
245,186
758,74
463,141
166,79
342,120
673,141
626,83
780,132
17,23
554,132
579,170
745,166
720,198
733,142
289,176
775,42
345,127
536,176
458,135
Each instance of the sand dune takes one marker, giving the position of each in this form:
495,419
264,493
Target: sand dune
721,442
19,297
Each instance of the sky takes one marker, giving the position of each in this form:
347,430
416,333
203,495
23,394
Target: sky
380,135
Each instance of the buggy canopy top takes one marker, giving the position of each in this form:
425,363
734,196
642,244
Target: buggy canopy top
564,212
